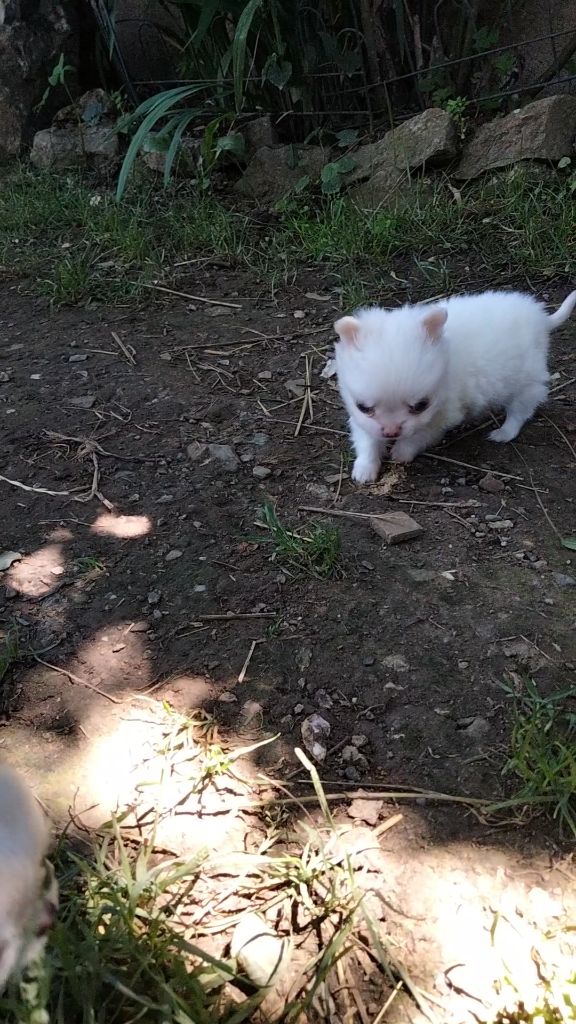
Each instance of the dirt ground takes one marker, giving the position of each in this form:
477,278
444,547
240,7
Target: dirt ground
405,649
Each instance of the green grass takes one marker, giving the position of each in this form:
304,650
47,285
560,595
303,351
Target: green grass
80,245
310,551
543,753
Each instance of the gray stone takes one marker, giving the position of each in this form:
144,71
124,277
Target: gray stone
225,455
563,581
261,472
196,450
427,139
543,130
154,150
273,172
57,149
258,133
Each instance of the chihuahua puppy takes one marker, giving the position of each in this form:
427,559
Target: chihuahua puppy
28,889
408,375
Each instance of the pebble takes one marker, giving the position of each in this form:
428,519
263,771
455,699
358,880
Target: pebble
154,597
501,524
261,472
140,627
368,660
225,455
563,580
352,773
200,588
78,357
173,555
359,740
196,450
265,375
491,484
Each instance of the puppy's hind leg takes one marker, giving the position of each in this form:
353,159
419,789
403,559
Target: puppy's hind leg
520,409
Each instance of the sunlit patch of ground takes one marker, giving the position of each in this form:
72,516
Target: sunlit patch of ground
362,929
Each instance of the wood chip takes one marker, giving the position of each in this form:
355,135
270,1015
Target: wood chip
395,527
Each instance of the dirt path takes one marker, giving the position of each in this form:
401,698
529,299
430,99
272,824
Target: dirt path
405,649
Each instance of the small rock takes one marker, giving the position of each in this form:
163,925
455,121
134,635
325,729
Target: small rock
7,558
251,709
395,662
154,597
315,732
227,697
259,951
359,740
140,627
166,357
298,709
303,658
363,809
225,455
501,524
368,660
261,472
323,699
296,387
477,728
173,555
196,450
200,588
259,439
563,581
395,527
329,369
491,484
265,375
352,773
83,401
214,311
78,357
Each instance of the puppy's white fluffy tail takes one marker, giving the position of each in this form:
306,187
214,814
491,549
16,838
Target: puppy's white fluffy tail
563,312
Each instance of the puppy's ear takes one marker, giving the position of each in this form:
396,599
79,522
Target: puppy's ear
433,323
348,329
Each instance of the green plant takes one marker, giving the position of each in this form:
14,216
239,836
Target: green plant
314,551
543,752
333,174
57,77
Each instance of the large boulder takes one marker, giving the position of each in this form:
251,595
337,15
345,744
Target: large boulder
543,130
273,172
32,38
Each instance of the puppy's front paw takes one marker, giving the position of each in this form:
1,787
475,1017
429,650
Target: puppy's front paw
365,471
404,451
502,435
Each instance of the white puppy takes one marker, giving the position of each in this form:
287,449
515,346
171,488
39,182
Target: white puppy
28,892
408,375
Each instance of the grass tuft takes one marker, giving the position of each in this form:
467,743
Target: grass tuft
311,551
543,753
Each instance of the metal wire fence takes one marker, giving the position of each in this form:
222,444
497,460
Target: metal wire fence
147,52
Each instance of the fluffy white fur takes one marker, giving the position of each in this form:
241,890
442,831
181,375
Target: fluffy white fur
408,375
27,909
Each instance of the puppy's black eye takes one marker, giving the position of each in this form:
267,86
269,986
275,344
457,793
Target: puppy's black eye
419,407
368,410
